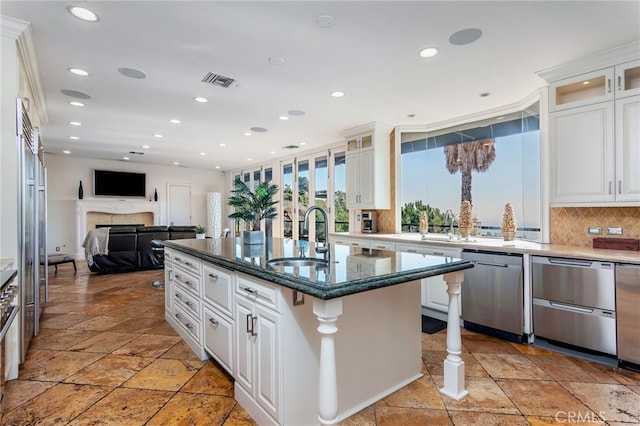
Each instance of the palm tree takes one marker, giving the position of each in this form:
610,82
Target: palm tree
252,207
468,157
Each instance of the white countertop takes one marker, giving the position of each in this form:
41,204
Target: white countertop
497,244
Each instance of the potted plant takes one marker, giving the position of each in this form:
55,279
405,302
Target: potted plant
200,232
253,206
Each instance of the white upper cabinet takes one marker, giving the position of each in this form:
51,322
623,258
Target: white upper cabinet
594,137
368,166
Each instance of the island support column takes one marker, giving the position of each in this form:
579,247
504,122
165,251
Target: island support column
327,312
453,364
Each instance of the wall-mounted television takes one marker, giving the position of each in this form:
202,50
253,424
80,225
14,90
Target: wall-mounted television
119,184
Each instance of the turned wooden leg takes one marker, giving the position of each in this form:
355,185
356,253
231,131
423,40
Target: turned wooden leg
327,312
453,364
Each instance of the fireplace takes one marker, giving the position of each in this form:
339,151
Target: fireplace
90,213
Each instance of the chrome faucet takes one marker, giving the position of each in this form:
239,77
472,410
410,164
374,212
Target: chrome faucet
448,215
324,249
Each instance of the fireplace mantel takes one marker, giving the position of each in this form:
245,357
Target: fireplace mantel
113,207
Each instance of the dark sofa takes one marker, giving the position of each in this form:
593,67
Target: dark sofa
130,248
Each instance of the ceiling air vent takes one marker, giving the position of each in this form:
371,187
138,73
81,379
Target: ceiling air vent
218,80
291,147
136,153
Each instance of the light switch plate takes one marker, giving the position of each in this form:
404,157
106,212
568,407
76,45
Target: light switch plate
594,230
614,231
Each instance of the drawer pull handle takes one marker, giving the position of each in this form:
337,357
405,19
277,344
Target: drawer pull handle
250,290
355,244
188,263
178,316
178,296
188,325
189,304
213,277
253,326
412,251
249,324
380,247
213,322
438,253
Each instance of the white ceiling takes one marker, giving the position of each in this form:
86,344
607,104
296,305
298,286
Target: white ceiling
370,53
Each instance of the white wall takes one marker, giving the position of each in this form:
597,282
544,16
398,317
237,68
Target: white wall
64,174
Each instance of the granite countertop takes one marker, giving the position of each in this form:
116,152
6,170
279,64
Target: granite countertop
350,270
498,244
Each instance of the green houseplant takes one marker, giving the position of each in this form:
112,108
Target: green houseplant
200,231
253,206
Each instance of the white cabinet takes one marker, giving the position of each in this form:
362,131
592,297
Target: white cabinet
627,183
258,342
168,282
434,289
594,139
368,166
218,319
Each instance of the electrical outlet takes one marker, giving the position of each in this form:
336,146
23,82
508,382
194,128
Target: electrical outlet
614,231
58,248
594,230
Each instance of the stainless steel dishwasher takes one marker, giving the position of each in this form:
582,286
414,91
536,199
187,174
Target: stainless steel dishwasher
492,294
574,302
628,315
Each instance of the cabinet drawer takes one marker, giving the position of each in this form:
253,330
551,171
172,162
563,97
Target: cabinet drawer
218,288
218,338
187,323
259,292
352,242
382,245
183,298
187,280
187,263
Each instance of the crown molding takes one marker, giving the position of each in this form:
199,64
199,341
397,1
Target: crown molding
22,32
605,59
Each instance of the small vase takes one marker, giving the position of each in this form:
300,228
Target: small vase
80,192
465,232
155,195
200,236
508,235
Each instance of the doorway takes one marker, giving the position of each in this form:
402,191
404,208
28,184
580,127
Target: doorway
178,204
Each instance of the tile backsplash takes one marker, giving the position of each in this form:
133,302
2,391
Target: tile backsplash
569,224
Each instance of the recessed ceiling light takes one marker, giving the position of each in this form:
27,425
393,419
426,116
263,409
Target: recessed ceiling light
283,118
82,13
217,167
132,73
66,151
75,138
247,133
146,146
75,94
75,123
157,135
302,143
586,82
428,52
295,112
484,94
175,121
276,60
203,153
466,36
78,71
175,163
337,94
222,144
273,152
76,103
201,99
325,21
126,158
249,159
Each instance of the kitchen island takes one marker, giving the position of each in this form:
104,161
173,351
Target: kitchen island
354,340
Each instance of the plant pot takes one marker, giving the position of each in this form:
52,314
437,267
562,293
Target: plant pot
200,236
465,232
252,250
253,237
508,235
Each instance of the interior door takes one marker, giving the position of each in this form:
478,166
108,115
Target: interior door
179,204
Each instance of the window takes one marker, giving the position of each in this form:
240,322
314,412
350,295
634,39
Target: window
341,213
490,163
287,200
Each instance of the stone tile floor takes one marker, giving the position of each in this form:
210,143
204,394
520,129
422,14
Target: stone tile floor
106,356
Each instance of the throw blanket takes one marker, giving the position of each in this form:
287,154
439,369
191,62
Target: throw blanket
96,243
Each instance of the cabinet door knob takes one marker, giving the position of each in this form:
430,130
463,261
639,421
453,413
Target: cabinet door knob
620,83
213,322
213,277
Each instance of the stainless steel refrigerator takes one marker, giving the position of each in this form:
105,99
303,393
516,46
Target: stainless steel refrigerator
32,227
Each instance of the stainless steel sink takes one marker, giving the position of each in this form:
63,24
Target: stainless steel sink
298,261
